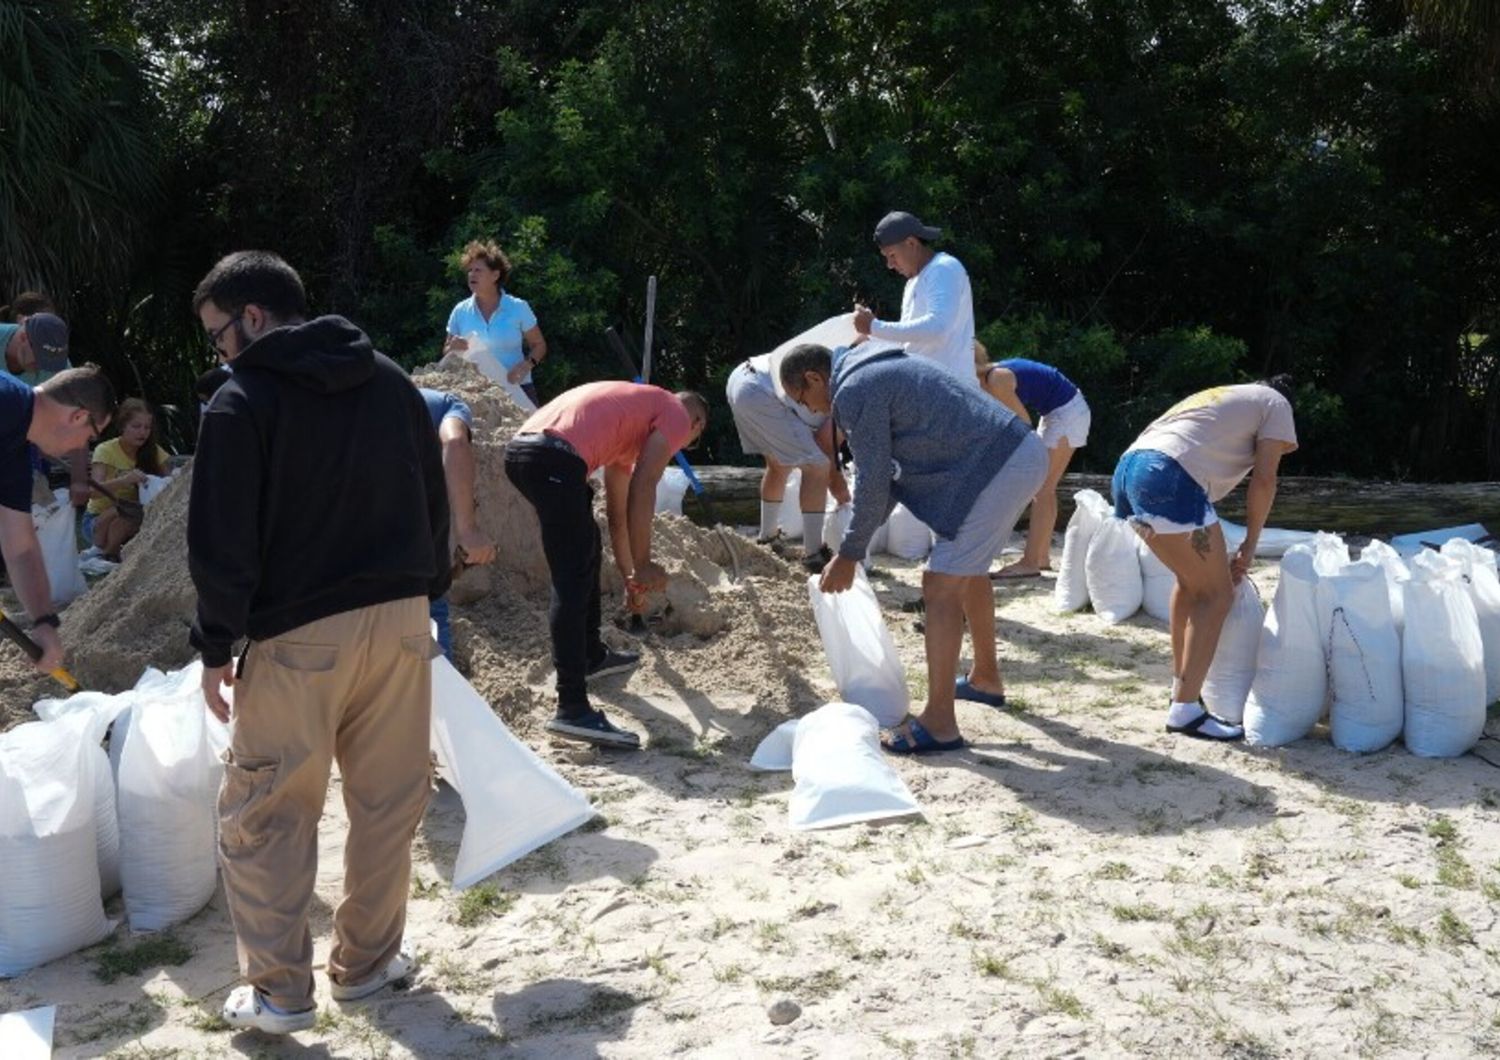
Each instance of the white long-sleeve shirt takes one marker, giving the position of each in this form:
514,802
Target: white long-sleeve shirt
937,317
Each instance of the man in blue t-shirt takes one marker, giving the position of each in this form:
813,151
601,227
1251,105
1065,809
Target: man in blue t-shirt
66,413
454,422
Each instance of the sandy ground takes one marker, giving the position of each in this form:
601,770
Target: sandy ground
1081,883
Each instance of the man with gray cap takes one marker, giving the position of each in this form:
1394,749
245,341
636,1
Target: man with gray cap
937,307
36,348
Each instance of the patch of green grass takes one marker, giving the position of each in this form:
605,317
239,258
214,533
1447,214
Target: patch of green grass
152,951
1147,770
730,973
1142,911
1452,869
1452,930
421,888
1219,876
990,965
1402,935
820,984
1059,1000
480,903
1114,870
903,1046
913,875
1408,881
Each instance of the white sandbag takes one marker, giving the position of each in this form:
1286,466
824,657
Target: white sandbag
1071,592
842,776
1273,542
1291,676
1112,570
169,774
879,542
49,870
1157,581
59,540
861,654
1397,574
1409,545
835,522
774,753
513,801
1364,658
670,489
1227,684
906,536
152,487
1330,554
791,506
27,1035
1442,660
1484,589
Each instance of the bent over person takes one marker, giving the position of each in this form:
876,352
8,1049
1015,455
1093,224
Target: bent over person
1166,484
317,528
631,431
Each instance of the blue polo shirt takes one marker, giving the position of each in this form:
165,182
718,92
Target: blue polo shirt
499,336
440,406
16,403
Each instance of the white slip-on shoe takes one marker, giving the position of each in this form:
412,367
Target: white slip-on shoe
400,966
245,1008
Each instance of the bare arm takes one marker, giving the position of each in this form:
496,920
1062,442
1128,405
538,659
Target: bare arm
28,576
536,345
641,507
616,491
1000,383
458,476
1258,499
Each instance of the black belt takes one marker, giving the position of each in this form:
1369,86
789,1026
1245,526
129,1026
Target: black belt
550,441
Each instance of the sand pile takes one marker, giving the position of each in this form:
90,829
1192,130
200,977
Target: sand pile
735,617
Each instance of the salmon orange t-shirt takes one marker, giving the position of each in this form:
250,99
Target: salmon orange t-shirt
608,423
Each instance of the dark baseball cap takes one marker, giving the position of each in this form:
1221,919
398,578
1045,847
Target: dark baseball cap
898,224
48,335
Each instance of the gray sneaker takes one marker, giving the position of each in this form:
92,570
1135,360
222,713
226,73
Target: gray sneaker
614,662
594,728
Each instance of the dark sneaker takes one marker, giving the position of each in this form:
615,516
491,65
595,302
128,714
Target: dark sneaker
815,563
614,662
594,728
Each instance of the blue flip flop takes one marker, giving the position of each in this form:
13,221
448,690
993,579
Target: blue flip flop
918,741
964,690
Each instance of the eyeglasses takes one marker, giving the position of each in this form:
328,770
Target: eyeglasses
218,333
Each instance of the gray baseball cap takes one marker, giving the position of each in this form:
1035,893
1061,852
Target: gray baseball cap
48,335
898,224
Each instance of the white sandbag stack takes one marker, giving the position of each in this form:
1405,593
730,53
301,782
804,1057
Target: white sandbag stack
1396,576
1291,678
1227,685
1157,581
1112,570
513,801
1071,592
59,541
1364,657
907,537
1484,589
861,654
49,869
841,775
1442,660
168,785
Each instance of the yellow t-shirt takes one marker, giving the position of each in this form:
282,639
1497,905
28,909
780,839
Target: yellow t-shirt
113,457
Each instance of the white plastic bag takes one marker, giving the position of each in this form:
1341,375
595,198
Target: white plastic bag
1291,676
1272,543
861,654
513,801
152,487
1157,581
670,489
169,774
1396,576
1071,593
1364,657
842,777
49,870
1112,570
478,355
1227,683
1484,589
906,536
774,753
1442,660
59,540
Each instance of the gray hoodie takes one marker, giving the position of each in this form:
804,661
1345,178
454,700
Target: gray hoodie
919,436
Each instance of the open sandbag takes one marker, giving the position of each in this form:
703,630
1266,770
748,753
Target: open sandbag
1396,572
1157,581
906,536
1071,592
842,776
513,801
1364,657
1227,684
59,541
861,654
1113,571
49,870
1442,660
1291,677
1484,589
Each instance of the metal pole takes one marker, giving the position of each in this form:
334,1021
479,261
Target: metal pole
650,329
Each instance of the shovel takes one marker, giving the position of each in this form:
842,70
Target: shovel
14,633
135,511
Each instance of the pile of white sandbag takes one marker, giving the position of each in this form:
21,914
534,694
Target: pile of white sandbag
1101,562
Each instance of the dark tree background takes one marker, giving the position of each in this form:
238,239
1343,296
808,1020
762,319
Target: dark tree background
1156,196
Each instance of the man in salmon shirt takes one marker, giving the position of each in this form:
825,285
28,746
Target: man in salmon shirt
631,431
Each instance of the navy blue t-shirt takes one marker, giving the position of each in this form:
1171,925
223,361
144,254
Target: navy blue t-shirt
1040,387
15,451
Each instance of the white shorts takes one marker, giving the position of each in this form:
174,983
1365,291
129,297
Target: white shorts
766,426
1070,421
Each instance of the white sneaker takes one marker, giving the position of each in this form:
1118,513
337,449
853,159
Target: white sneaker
246,1008
400,966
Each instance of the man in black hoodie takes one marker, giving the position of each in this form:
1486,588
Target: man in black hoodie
318,529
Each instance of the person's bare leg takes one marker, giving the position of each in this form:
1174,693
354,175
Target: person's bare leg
117,533
1177,615
979,612
1043,518
943,595
1203,594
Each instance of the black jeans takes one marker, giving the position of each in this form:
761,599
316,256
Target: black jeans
555,481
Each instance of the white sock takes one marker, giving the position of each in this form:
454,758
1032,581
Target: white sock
1182,713
812,531
770,519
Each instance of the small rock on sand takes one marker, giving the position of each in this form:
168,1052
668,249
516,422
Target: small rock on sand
783,1011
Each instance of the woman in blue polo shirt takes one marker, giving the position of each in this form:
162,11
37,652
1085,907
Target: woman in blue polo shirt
1063,420
493,328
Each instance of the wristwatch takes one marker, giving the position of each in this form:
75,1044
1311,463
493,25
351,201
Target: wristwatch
49,619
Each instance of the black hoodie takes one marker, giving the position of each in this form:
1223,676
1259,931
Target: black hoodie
317,488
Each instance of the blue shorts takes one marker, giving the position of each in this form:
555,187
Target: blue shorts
1154,492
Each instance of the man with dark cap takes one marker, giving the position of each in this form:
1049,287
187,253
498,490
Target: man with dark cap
36,348
937,307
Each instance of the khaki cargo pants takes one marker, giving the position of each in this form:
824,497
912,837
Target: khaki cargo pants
356,687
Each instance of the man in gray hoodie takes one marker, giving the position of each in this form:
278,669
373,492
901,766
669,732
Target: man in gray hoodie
964,464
